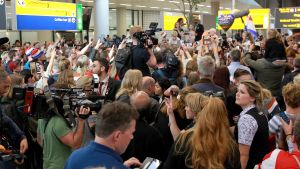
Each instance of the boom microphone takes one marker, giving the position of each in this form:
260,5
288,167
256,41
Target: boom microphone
4,40
241,13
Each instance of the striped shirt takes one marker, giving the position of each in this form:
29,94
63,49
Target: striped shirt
275,126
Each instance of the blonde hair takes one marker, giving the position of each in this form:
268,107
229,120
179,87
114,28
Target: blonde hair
131,83
16,81
82,64
297,79
259,93
135,29
65,79
84,82
174,34
211,142
64,64
291,94
196,101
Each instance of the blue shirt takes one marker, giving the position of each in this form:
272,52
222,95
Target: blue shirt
236,65
95,155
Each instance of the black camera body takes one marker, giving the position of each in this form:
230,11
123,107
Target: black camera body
39,111
144,36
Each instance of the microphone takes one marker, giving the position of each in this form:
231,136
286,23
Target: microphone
241,13
4,40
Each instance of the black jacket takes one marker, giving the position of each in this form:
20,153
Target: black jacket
113,87
147,142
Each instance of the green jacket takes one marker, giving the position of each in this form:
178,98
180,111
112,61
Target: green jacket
268,74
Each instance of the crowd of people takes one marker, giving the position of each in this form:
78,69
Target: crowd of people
195,100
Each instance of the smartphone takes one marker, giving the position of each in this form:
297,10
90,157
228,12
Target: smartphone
38,68
284,117
33,68
45,65
150,163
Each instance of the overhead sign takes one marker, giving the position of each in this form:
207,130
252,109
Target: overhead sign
170,18
260,17
3,15
287,18
44,15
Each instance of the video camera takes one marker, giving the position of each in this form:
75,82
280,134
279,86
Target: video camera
143,37
76,98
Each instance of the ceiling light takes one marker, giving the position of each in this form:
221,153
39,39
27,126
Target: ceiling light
112,3
227,8
113,9
221,7
86,1
139,6
161,0
186,3
125,4
208,6
167,8
205,12
201,5
176,2
154,7
176,9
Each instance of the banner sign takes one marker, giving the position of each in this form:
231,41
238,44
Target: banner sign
260,17
45,15
170,18
287,18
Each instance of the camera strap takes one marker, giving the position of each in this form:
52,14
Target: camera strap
68,112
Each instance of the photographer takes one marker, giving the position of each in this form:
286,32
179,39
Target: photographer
55,134
142,53
8,129
172,69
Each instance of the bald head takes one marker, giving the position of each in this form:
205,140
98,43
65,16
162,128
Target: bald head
148,85
140,100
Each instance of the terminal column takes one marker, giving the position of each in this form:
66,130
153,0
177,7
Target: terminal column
121,21
214,8
209,20
101,20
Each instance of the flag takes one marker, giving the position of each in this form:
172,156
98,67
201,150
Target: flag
249,27
273,107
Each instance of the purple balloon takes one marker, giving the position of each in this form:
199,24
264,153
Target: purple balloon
225,21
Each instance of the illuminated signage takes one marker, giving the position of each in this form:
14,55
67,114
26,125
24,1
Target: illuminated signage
287,18
44,15
170,19
260,17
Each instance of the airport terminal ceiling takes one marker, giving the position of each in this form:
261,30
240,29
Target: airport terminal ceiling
172,5
169,5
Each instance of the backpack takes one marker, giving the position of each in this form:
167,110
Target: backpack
123,61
